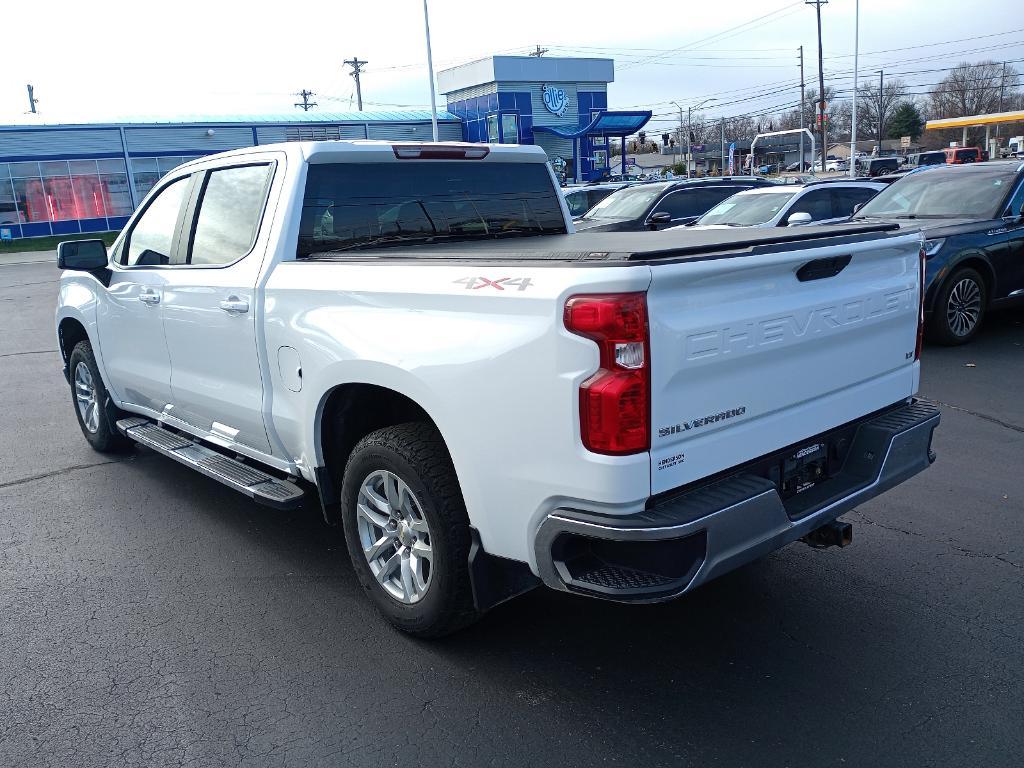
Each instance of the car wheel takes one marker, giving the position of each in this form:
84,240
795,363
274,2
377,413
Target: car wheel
96,412
407,530
960,308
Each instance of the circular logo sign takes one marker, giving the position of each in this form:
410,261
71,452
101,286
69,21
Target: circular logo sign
555,99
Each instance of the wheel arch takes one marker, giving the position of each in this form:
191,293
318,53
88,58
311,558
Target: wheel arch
347,412
970,259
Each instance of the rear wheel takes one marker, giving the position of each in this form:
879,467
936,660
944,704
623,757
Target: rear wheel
959,308
407,530
95,410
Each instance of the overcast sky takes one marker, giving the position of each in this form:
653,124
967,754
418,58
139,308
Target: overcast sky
100,59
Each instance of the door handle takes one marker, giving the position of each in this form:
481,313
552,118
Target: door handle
234,305
149,296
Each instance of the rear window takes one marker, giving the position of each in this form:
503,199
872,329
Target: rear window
373,205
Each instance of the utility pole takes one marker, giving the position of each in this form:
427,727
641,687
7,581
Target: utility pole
538,52
881,105
821,80
1002,85
32,100
721,165
306,104
689,130
357,70
679,140
802,103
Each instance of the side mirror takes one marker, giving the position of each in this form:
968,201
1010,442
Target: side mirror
798,219
661,217
82,255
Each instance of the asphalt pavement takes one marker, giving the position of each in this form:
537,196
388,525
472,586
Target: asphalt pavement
151,617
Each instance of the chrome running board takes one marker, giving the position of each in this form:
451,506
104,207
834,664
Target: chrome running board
254,483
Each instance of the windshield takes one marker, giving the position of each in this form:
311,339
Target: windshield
363,205
747,209
628,203
938,194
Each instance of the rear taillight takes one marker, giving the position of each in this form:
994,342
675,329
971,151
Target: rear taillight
920,308
615,403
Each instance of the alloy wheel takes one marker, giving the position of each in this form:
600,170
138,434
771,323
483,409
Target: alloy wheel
85,398
394,536
963,310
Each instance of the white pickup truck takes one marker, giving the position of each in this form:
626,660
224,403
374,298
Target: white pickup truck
482,399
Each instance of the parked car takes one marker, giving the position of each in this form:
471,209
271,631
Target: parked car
582,199
922,159
836,164
662,204
877,166
962,155
798,166
482,401
971,216
789,206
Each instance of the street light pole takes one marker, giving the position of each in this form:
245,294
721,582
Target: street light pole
430,72
689,112
856,53
679,143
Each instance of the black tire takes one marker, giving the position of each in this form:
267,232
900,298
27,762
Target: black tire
417,455
946,326
104,438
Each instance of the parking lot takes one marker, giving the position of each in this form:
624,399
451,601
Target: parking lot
151,617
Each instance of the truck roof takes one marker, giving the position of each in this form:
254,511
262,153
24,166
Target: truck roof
374,150
595,248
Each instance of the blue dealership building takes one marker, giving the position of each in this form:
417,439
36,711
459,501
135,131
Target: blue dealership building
74,178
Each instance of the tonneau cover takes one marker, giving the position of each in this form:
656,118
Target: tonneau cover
621,247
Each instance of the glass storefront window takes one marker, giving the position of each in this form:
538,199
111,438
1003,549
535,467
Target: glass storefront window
25,170
110,166
54,168
116,198
88,197
168,163
8,205
510,129
492,129
83,167
60,199
143,164
31,199
4,174
600,159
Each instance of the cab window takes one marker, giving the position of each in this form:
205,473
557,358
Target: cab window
230,207
151,240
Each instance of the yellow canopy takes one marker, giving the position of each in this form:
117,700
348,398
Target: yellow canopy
973,120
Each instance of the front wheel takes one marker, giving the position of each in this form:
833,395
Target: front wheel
959,308
407,530
95,410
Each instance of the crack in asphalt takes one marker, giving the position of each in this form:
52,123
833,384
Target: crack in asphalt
30,352
955,547
984,416
44,475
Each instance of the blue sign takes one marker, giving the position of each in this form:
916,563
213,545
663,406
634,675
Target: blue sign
556,100
6,234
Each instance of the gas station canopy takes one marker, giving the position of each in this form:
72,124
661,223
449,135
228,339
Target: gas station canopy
973,120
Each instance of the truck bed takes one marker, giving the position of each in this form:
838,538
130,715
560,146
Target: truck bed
596,248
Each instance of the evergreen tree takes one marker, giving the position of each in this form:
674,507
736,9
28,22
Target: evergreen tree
906,121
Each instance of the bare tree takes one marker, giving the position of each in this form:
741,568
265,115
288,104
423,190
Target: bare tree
876,104
974,89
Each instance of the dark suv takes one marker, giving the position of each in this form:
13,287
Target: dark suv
972,219
662,204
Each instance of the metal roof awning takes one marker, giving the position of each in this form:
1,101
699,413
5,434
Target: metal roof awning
605,124
972,120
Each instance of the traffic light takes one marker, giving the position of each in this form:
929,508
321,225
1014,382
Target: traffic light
664,139
643,137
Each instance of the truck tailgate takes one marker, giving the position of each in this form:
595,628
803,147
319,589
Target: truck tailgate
747,357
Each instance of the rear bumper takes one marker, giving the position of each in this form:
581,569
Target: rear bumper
683,540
